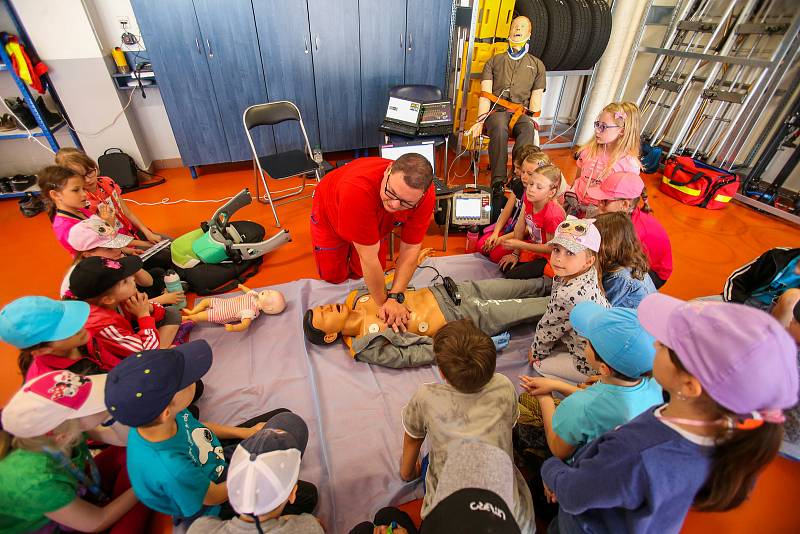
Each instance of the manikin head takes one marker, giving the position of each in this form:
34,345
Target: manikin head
323,324
271,302
520,32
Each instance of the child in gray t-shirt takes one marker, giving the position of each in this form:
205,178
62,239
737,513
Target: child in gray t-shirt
474,403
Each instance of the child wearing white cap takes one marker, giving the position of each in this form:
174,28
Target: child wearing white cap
263,481
557,350
95,237
48,475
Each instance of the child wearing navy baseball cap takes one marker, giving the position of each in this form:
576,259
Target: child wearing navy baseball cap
175,462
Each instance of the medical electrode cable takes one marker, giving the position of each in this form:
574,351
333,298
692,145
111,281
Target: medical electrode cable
481,118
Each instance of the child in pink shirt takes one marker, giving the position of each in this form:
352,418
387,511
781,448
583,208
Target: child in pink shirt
614,147
535,227
622,191
65,199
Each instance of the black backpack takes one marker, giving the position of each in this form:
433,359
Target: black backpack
118,165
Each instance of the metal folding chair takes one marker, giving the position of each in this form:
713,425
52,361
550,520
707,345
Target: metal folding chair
283,164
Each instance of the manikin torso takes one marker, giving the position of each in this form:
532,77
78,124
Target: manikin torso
426,316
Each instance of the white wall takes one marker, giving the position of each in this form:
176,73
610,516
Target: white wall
64,38
149,112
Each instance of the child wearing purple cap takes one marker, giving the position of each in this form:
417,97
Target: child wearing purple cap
730,371
557,349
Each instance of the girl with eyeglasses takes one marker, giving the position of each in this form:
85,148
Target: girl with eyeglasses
103,190
613,148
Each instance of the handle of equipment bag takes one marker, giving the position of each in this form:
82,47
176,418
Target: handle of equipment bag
108,150
700,175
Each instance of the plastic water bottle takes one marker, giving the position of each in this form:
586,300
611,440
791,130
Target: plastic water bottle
173,283
316,154
473,233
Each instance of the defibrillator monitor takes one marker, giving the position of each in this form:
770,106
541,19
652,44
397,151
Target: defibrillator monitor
425,148
471,207
403,111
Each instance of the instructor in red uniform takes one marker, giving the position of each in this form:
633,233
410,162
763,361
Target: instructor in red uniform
356,207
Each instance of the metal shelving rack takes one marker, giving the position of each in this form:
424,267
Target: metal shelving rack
42,130
719,64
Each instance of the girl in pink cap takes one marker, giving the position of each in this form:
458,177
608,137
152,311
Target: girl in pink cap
621,192
730,371
49,480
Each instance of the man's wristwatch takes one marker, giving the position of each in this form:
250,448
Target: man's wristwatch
399,297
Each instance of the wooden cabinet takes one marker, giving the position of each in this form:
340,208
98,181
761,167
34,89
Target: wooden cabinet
234,59
337,72
335,59
178,55
288,65
383,60
428,24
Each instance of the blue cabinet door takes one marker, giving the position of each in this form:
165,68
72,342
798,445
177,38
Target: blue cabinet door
173,41
229,33
383,56
337,72
427,41
285,41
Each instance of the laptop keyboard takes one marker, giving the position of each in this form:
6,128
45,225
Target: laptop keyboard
401,129
437,129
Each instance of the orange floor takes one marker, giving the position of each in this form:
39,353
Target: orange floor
707,246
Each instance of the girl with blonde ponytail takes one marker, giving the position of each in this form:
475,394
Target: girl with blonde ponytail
613,148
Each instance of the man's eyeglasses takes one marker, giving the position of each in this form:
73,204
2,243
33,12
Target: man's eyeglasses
403,203
602,127
90,172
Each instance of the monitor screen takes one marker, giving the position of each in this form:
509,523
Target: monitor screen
403,110
393,152
468,208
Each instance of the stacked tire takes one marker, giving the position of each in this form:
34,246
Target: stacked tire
567,34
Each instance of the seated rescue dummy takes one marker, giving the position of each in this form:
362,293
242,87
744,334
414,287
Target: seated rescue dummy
494,305
238,312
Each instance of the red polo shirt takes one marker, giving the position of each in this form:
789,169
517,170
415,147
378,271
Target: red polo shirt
349,204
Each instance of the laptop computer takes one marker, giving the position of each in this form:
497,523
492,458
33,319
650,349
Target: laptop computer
402,117
437,118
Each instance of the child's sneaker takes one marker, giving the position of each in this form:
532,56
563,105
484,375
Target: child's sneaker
182,336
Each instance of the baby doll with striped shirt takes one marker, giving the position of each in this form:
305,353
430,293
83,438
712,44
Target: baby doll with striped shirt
238,312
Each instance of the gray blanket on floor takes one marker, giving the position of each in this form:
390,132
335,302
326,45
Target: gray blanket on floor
352,408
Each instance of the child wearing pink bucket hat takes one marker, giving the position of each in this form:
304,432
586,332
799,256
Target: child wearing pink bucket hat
730,371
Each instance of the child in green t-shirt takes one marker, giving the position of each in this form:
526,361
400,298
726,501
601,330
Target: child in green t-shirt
47,473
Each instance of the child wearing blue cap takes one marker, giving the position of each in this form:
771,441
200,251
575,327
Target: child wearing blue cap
622,353
51,335
176,463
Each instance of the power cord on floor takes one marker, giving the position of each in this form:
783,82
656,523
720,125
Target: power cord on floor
166,201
